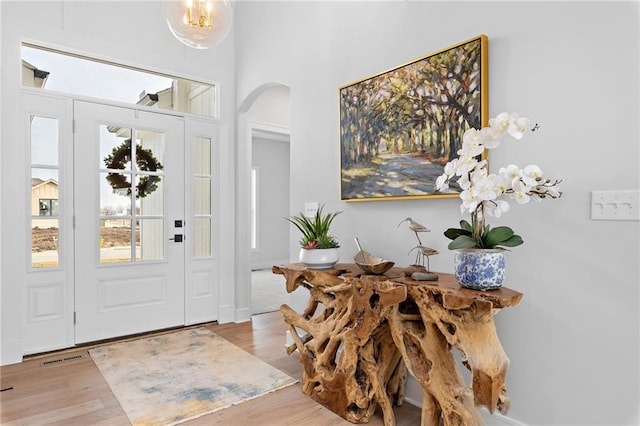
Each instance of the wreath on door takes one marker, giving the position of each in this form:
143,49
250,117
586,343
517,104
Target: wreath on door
145,161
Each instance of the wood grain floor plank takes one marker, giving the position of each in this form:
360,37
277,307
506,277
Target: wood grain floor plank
74,393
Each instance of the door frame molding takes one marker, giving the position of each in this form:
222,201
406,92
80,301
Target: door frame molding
247,128
15,344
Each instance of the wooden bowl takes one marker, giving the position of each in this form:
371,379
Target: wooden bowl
372,264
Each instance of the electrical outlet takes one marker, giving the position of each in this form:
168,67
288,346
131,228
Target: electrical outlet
310,209
615,205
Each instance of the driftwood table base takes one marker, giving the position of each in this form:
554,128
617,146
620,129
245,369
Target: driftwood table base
360,333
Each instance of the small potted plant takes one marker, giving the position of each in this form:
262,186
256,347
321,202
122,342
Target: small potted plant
479,258
319,249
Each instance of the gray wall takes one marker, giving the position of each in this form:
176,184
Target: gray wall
272,159
573,68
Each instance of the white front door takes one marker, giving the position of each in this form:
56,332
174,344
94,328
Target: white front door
129,221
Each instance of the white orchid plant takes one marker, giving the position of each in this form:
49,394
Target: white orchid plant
487,194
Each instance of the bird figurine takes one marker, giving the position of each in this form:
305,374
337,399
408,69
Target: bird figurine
415,227
424,252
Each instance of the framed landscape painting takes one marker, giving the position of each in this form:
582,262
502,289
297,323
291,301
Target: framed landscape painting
399,128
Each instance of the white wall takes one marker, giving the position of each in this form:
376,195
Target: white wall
133,33
270,115
571,67
265,108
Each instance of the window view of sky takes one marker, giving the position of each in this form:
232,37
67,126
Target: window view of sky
95,79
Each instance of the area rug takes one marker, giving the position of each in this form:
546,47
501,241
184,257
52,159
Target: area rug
171,378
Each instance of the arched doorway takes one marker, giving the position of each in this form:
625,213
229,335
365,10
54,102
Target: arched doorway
263,137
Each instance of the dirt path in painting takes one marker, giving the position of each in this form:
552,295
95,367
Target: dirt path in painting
400,175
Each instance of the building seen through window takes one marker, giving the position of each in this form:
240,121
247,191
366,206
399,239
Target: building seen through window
48,207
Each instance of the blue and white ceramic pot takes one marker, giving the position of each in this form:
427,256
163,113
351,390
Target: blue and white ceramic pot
480,269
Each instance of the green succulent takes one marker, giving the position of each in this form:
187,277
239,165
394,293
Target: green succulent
315,230
485,238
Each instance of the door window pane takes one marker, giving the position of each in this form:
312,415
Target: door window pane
150,150
44,192
202,193
202,237
115,147
44,141
202,156
122,182
150,239
115,240
44,243
115,194
153,202
202,201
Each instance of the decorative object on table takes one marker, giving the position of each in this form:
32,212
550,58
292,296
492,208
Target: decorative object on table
424,276
409,270
319,249
422,252
397,128
484,194
479,269
415,227
369,263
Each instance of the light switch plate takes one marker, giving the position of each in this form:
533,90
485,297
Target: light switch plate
310,209
615,205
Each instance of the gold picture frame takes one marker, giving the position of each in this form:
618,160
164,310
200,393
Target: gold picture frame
400,127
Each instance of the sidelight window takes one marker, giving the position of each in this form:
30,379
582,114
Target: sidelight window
202,185
45,212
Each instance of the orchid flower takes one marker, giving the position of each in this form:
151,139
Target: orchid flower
481,191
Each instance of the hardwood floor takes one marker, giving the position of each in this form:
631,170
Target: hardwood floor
66,388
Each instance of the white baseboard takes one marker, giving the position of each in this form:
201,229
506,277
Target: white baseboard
226,314
242,315
413,395
497,419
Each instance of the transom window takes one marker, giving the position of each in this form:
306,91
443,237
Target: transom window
50,69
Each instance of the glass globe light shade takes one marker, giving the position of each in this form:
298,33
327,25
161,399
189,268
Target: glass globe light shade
199,23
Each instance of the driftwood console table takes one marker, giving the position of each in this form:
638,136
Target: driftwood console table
362,333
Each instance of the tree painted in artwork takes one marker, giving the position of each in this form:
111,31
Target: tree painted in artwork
421,108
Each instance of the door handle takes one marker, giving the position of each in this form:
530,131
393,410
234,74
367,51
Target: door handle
176,238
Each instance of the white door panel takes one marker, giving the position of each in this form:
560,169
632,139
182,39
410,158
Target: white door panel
111,259
47,283
129,267
202,267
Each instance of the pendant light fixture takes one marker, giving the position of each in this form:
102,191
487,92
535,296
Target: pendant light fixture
199,23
